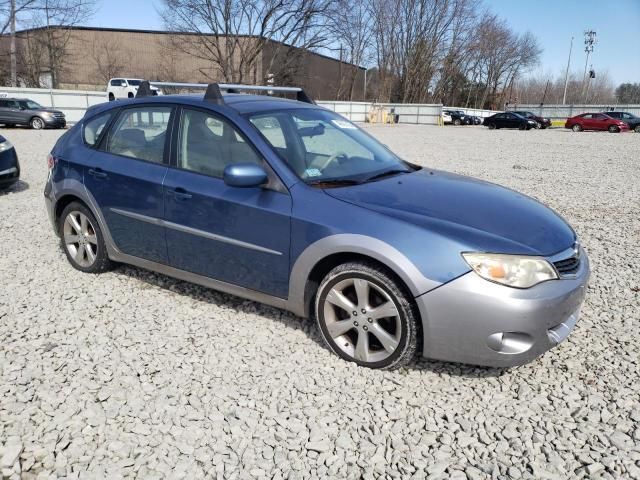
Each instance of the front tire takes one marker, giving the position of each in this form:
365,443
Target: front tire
37,123
82,239
456,122
614,129
491,126
365,317
637,129
576,128
112,97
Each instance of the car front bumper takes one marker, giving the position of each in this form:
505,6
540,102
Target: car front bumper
471,320
9,168
55,122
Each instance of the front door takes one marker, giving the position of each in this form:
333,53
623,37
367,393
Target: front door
235,235
125,177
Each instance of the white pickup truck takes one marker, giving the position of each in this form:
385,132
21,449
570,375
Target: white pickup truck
126,88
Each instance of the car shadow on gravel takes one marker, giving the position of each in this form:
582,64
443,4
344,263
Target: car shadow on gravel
19,186
289,320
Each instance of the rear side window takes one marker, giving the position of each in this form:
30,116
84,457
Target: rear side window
140,133
93,128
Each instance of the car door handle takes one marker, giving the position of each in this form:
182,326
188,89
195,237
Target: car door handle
180,194
97,173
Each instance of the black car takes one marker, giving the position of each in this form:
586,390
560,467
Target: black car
542,122
458,117
629,118
9,166
22,111
509,120
474,120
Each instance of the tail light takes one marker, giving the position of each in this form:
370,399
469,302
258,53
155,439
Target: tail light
51,161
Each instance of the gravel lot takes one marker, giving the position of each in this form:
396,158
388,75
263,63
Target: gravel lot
132,374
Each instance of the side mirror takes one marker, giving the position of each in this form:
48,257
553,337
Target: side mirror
244,175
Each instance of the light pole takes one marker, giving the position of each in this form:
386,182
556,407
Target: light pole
589,42
566,74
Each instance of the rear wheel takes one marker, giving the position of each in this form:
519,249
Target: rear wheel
111,97
365,317
614,129
576,128
637,129
82,239
129,95
37,123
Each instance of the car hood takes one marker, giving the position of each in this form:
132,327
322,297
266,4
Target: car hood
478,215
49,110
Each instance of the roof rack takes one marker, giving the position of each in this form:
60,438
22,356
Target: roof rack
213,91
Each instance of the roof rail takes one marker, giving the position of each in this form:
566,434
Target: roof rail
214,90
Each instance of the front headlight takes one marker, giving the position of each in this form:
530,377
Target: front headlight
6,145
518,271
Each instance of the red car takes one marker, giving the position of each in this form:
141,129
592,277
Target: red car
595,121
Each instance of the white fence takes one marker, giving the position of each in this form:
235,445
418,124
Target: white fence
425,114
561,112
72,102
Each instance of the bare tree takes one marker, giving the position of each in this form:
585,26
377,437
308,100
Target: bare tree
106,54
233,34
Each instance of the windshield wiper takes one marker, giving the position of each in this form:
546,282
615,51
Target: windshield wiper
388,173
338,182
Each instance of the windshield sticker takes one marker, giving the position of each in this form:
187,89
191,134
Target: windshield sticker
312,172
343,124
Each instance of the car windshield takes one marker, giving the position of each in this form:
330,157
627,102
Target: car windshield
134,83
322,147
30,105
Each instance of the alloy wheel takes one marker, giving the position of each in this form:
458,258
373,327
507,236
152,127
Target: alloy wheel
363,320
80,238
37,123
576,128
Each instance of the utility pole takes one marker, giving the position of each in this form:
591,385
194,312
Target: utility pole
12,48
566,74
589,42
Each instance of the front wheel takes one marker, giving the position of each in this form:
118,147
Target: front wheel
112,97
456,122
365,317
576,128
614,129
637,129
491,126
82,239
37,123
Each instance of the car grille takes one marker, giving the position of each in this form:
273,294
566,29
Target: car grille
58,115
568,266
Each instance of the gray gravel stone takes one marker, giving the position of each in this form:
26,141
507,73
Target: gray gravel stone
133,374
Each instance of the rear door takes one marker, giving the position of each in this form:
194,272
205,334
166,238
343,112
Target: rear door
601,122
236,235
125,177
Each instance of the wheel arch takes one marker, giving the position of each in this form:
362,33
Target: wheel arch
62,203
323,255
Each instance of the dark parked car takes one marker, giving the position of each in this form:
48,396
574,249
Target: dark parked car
290,204
509,120
541,122
596,121
630,119
9,165
458,117
22,111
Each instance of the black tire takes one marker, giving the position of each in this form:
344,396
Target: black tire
111,97
491,126
523,126
614,129
102,263
129,95
407,318
456,122
637,129
36,123
576,128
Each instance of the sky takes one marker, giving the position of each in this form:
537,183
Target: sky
553,22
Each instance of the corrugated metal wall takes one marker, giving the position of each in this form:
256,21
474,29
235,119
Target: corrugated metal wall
561,112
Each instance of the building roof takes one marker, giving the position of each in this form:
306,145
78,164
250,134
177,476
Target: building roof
170,32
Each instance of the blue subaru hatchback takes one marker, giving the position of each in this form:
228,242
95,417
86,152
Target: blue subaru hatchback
287,203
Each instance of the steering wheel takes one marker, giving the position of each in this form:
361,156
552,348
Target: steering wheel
330,160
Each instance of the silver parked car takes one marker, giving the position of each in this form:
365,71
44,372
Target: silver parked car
22,111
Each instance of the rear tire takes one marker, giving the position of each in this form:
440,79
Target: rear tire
614,129
364,316
111,97
129,95
576,128
82,239
637,129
